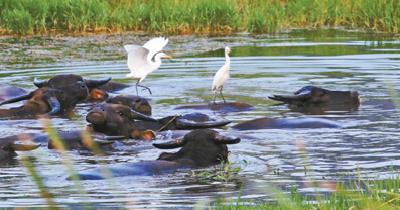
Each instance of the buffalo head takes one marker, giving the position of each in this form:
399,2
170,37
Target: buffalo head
311,96
118,119
199,148
71,83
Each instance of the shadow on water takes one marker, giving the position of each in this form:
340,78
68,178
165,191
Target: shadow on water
261,66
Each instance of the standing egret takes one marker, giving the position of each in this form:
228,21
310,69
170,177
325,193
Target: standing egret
221,76
142,60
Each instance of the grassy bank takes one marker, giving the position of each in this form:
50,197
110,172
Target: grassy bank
379,194
196,16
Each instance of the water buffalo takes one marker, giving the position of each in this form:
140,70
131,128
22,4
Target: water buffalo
71,81
75,139
42,101
199,148
67,140
58,95
68,80
9,145
118,119
221,107
136,103
315,99
278,123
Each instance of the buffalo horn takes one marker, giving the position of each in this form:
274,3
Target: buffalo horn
139,116
39,83
96,83
170,144
187,124
54,105
18,98
103,142
288,99
226,139
110,138
18,146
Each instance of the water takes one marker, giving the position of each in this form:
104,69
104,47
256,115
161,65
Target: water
368,145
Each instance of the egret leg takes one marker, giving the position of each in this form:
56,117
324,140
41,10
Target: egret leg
147,88
215,96
137,92
222,95
142,86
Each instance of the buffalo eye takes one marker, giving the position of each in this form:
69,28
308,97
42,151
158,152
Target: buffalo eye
121,114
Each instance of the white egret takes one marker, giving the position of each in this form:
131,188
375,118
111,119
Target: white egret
221,76
142,60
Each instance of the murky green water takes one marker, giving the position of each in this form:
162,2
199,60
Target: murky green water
261,66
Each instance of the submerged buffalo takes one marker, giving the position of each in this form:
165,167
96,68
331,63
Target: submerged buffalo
68,80
58,95
72,81
315,99
66,140
221,107
278,123
118,119
199,148
42,101
9,146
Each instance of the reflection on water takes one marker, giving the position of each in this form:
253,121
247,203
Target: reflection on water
261,66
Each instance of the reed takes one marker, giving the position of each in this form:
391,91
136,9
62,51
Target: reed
357,194
195,16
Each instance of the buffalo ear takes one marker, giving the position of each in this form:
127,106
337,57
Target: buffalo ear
40,83
98,94
148,135
145,135
96,83
170,144
221,139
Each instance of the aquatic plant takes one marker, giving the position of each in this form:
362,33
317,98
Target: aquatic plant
199,16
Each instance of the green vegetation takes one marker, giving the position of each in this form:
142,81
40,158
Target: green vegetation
379,194
196,16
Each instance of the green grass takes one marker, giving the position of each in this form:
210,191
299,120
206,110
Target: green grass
358,194
195,16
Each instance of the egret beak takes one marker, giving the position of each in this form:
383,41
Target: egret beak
167,57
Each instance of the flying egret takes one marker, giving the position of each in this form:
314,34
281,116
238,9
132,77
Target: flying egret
142,60
221,76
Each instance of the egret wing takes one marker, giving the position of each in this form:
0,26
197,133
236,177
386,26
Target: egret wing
137,58
220,77
156,44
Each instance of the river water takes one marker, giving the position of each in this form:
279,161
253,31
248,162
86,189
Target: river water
270,160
